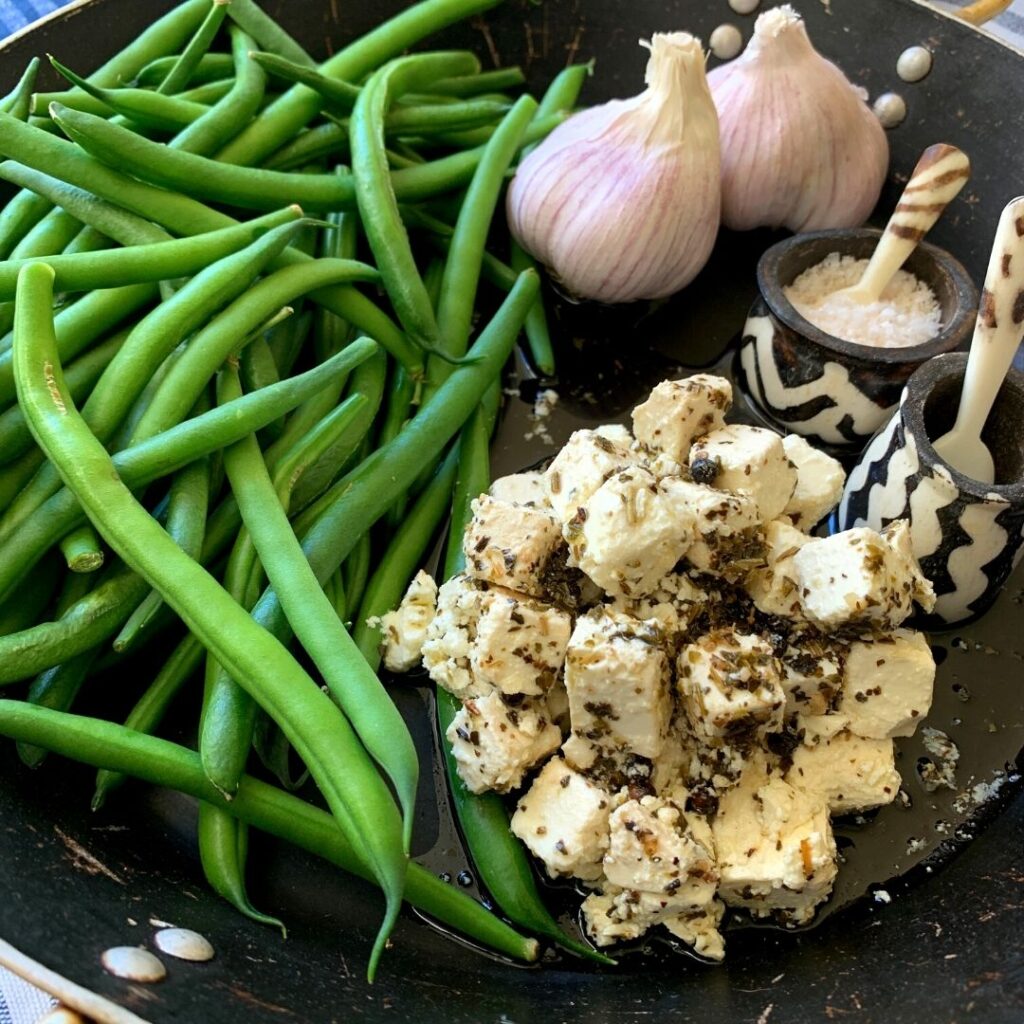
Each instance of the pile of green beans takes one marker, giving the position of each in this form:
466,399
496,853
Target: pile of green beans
228,439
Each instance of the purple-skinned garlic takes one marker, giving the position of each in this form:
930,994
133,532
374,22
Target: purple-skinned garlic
621,202
800,147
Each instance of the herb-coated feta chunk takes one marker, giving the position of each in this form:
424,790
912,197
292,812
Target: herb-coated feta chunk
450,635
849,772
520,643
819,482
679,411
578,470
897,536
887,684
404,630
521,489
495,745
563,820
617,677
812,673
729,683
855,577
775,849
773,587
700,930
615,432
510,544
631,532
675,603
730,538
751,461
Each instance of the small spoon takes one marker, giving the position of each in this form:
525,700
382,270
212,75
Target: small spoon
997,335
939,175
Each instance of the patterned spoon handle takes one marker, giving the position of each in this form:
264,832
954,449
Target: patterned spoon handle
939,175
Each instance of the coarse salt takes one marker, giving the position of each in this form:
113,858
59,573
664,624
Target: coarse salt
907,314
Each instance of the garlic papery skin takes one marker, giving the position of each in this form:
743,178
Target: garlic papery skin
800,147
621,202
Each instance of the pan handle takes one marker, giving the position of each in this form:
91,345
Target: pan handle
981,11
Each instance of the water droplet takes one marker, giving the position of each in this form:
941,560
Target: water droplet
464,878
445,876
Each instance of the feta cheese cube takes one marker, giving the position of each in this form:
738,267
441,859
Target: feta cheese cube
527,489
812,673
730,538
510,544
773,587
630,533
615,432
678,411
819,483
897,536
617,677
751,462
856,577
887,684
520,643
563,820
775,849
700,930
674,604
849,772
495,745
729,683
578,470
450,635
404,630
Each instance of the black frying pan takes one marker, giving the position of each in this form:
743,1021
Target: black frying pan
950,946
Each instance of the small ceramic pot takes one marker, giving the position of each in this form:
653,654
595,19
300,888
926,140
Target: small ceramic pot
835,392
967,535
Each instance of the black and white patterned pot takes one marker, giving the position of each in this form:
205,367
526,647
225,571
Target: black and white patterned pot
967,535
832,391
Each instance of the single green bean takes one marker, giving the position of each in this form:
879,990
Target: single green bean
357,796
356,689
81,550
356,570
189,58
18,102
225,120
15,476
87,240
210,68
18,217
209,92
73,589
22,609
267,32
168,452
111,746
287,340
334,92
325,140
48,237
497,80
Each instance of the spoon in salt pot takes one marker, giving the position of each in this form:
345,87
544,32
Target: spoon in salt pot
939,175
997,335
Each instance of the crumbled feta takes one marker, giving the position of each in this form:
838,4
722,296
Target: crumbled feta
729,683
700,930
615,432
897,536
404,629
775,848
751,462
773,587
819,483
450,635
887,684
730,538
855,578
849,772
675,603
510,544
521,489
630,533
578,470
563,820
495,745
608,718
678,411
812,672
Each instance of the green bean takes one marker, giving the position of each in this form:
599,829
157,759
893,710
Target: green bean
187,61
87,240
334,92
48,237
267,32
286,341
18,217
358,798
112,746
223,849
324,140
497,80
210,68
15,476
76,99
226,331
159,261
81,550
168,452
22,609
357,690
187,507
209,92
18,101
225,120
378,205
73,589
297,107
146,109
149,710
433,118
15,437
356,570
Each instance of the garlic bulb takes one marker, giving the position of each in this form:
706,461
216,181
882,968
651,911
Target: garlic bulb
800,148
621,201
